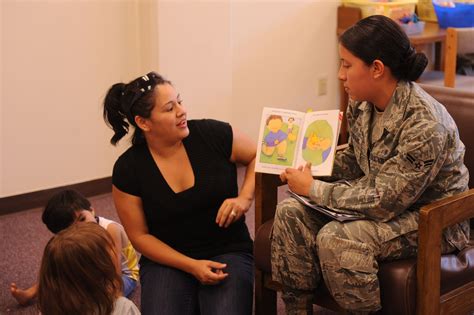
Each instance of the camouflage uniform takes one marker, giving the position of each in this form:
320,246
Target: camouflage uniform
415,159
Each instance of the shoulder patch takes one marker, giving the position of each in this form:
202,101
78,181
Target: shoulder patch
418,164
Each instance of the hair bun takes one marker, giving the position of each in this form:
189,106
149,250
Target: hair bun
415,64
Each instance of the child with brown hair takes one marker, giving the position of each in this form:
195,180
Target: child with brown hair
68,207
78,274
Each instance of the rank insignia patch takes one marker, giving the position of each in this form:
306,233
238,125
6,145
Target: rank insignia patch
418,164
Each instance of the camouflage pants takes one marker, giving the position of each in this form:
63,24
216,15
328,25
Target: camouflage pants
307,246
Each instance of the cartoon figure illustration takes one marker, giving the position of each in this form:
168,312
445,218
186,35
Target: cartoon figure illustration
276,138
291,135
317,142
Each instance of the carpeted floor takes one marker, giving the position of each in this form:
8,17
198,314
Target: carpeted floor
23,238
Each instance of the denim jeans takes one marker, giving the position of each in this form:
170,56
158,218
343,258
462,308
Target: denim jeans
128,285
169,291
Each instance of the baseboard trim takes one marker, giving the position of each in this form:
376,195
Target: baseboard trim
39,198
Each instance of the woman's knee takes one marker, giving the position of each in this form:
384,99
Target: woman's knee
338,246
165,286
360,231
288,215
235,293
335,239
330,233
289,208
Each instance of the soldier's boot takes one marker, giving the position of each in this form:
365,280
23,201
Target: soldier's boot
298,302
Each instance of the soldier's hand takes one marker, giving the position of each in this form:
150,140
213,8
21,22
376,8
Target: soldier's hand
283,177
299,180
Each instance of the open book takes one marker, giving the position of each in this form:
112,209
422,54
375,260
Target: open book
335,214
290,138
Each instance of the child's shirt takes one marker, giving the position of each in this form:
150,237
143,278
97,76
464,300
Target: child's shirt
124,306
129,257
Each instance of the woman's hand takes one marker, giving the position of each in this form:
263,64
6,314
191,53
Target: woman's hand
231,210
209,272
299,180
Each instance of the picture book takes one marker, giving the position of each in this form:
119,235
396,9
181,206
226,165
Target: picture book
290,138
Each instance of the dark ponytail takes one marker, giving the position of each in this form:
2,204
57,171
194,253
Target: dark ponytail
379,37
125,101
113,115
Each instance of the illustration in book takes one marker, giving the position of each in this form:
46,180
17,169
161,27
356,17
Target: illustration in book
290,138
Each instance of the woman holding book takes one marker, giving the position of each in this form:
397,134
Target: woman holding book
404,152
176,193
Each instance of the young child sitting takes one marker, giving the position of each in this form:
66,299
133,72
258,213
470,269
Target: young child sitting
78,276
69,207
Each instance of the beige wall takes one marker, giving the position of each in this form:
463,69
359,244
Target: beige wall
58,59
195,49
228,58
280,50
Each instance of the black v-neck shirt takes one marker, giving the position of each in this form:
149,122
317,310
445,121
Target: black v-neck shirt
186,220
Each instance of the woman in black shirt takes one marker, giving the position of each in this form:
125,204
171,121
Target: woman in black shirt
175,190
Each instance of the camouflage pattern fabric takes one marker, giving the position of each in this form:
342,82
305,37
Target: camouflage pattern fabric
307,247
418,158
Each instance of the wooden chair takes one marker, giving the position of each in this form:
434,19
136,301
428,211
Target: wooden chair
429,284
433,219
458,41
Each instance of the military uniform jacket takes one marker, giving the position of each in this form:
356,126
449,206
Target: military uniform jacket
416,159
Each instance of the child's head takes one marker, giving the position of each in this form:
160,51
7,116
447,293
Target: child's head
63,209
78,274
274,122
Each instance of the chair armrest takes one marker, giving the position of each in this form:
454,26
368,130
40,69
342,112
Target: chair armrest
266,197
433,219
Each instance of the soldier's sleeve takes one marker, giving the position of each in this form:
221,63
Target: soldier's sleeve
345,165
345,162
402,178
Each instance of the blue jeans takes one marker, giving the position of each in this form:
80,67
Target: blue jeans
169,291
128,285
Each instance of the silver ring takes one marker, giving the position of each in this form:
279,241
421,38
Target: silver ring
233,213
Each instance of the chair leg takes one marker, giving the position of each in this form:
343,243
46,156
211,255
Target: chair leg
265,299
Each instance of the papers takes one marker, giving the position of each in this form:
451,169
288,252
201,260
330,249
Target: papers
335,214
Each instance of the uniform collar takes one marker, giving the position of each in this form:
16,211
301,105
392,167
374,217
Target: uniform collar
395,111
396,108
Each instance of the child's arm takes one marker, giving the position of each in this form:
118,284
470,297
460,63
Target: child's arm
114,231
24,297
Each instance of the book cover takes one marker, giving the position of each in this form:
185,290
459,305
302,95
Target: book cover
290,138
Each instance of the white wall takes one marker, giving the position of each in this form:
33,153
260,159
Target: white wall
58,59
196,54
147,36
228,59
